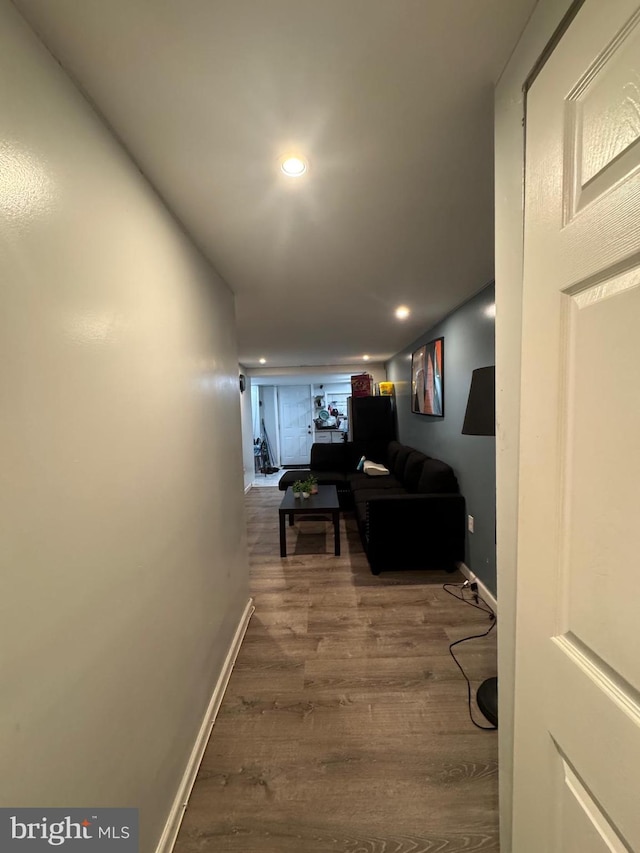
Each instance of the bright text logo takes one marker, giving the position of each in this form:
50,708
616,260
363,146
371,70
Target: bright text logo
100,830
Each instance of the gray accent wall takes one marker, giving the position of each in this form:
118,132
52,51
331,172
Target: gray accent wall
469,342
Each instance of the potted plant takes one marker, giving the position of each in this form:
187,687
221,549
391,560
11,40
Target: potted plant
312,485
298,488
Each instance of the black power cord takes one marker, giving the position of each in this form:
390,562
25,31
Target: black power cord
480,604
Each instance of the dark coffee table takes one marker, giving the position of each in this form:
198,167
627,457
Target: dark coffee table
326,501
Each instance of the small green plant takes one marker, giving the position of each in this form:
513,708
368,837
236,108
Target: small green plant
311,485
298,487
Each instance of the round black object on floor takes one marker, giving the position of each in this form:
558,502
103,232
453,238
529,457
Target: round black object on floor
487,699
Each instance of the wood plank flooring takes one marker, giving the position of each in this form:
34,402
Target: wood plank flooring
345,727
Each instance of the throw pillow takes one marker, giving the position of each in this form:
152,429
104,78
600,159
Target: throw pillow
373,469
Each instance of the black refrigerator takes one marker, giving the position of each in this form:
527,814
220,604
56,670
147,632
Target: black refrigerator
372,419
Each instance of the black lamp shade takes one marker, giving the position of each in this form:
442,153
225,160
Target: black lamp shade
480,417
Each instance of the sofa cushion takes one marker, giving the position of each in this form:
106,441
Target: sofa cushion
290,477
437,478
401,461
328,457
376,451
413,470
392,453
329,478
364,481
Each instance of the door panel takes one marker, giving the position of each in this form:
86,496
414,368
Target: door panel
577,703
584,826
603,472
295,424
605,118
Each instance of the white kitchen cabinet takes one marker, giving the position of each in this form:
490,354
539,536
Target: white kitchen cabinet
328,436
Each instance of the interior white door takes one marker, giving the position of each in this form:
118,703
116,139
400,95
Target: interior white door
295,424
577,703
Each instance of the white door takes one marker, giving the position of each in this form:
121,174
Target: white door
577,703
295,424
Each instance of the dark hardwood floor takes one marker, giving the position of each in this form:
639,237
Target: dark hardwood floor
345,725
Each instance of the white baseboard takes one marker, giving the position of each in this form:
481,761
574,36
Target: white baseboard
248,488
172,826
483,592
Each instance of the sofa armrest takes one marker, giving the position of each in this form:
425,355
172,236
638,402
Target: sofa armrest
415,530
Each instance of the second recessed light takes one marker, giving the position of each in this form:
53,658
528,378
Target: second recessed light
293,167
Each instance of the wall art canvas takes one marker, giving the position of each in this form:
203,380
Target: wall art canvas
427,379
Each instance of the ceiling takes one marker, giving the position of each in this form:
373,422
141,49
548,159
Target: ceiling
391,102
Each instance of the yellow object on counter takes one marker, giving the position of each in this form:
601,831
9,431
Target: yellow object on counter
386,389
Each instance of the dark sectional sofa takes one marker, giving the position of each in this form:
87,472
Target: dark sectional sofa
412,518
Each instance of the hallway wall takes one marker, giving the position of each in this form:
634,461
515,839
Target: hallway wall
469,342
246,417
123,556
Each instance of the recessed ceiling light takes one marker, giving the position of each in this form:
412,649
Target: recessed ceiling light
293,167
262,360
365,358
402,312
490,310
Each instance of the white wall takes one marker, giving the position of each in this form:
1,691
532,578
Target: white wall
123,559
255,410
248,459
268,412
509,168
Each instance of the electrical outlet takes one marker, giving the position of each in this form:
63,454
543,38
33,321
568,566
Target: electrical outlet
470,523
